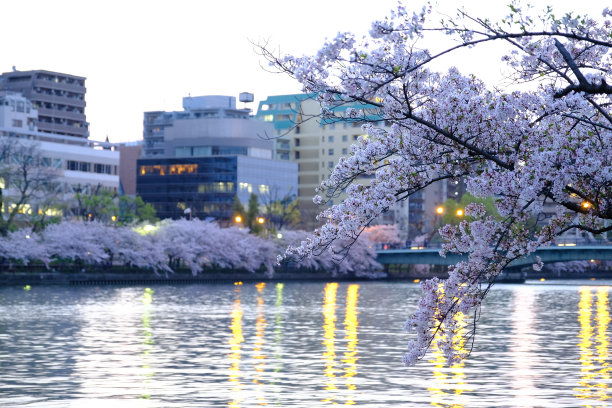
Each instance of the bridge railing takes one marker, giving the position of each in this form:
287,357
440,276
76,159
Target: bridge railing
560,242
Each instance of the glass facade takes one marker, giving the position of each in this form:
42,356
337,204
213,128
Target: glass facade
205,185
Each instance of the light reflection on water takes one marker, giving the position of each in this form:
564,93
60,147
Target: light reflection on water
295,344
594,348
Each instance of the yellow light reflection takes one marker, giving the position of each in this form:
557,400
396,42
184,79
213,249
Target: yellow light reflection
350,327
260,330
449,383
523,349
595,369
278,327
147,300
329,336
235,346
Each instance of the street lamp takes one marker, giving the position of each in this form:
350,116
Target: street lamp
586,205
261,220
238,219
459,213
440,210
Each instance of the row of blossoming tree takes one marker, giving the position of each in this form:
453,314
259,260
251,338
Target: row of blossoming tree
543,142
169,245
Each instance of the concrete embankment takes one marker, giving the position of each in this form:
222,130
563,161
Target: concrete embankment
144,277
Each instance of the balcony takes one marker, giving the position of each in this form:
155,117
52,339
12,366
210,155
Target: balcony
62,86
63,129
42,97
54,113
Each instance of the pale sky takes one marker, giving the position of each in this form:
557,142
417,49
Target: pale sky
141,56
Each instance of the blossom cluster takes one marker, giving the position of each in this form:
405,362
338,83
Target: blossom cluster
192,244
542,148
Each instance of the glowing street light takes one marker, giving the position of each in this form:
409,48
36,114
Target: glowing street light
440,210
586,205
238,219
459,213
261,220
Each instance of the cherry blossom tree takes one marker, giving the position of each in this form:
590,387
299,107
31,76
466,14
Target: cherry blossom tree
26,185
544,145
359,262
383,234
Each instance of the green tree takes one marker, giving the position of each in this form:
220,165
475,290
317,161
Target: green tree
134,209
252,214
283,213
454,211
96,203
238,210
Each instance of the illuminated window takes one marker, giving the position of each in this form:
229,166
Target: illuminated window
245,187
157,169
263,189
220,187
183,169
269,118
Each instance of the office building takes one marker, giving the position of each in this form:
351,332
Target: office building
79,163
196,160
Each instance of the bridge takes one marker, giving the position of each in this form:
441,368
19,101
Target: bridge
431,256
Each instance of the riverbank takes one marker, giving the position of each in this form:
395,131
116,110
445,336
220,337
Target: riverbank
97,276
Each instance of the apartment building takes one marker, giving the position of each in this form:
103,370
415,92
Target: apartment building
59,99
317,144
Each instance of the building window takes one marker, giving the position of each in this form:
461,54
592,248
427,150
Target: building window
330,152
344,150
330,139
330,164
355,137
332,126
246,187
263,189
322,138
17,123
78,166
102,168
159,170
268,118
344,138
297,141
183,169
297,155
183,152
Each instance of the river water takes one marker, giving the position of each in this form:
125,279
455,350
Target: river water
296,345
